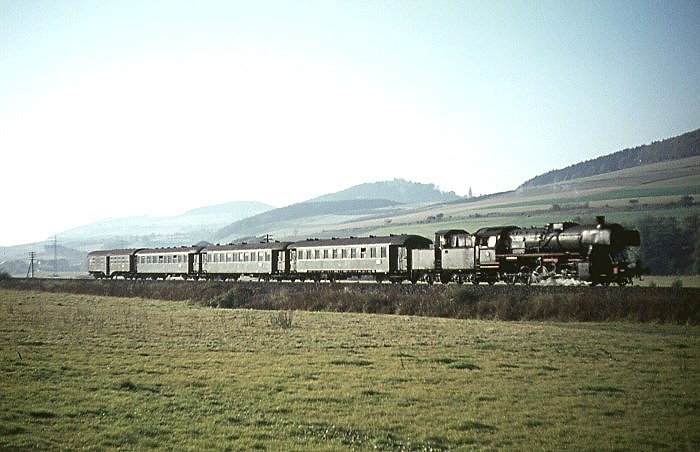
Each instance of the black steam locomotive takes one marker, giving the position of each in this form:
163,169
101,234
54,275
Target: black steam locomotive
595,253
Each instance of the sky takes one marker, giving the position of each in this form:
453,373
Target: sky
126,108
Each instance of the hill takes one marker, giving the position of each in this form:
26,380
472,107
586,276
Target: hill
683,146
302,218
397,190
334,211
190,227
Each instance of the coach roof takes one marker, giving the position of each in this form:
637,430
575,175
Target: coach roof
408,240
122,252
182,249
247,246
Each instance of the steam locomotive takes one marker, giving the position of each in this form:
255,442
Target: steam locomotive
593,253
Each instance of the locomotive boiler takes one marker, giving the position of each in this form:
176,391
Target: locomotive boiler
594,253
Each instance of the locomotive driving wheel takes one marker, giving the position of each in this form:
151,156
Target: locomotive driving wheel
540,273
524,275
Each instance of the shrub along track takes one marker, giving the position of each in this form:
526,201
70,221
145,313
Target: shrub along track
558,303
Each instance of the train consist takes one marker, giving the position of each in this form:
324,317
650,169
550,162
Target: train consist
594,253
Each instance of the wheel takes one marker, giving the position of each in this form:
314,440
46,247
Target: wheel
539,274
524,275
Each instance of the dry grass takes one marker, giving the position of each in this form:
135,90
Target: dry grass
676,304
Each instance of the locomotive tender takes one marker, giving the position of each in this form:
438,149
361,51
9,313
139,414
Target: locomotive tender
593,253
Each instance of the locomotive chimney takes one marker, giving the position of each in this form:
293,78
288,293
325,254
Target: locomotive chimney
600,219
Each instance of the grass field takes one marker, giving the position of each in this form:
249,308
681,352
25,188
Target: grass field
101,373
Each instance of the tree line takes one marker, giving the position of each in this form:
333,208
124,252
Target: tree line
670,246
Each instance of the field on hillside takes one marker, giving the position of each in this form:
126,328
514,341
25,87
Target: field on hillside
81,371
622,196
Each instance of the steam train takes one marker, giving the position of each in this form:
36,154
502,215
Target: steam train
594,253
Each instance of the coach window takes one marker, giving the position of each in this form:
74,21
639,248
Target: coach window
363,253
229,257
325,253
252,256
382,251
268,256
335,253
161,259
373,252
353,253
344,253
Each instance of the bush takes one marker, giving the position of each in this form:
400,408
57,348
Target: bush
238,297
4,276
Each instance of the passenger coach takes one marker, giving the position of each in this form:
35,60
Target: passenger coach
112,263
262,260
166,262
384,258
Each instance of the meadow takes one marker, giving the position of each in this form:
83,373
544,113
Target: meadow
99,373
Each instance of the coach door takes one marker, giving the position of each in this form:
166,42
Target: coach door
193,264
398,259
290,260
277,262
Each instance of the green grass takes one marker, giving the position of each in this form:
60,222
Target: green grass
670,281
87,372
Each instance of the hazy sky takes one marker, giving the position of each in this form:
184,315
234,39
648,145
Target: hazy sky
119,108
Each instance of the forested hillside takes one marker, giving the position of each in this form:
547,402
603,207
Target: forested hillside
686,145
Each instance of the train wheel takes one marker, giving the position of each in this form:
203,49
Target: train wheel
539,274
525,275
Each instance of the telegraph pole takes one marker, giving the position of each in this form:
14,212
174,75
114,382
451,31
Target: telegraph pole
31,264
55,257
